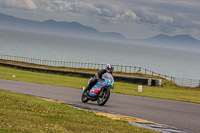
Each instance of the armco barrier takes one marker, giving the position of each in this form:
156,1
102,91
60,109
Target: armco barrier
136,80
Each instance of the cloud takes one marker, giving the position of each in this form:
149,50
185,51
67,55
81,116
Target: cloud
84,8
166,17
196,22
148,17
100,11
128,15
22,4
163,16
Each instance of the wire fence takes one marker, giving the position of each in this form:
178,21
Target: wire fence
119,68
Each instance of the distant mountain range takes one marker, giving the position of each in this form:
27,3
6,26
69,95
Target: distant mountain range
77,29
52,26
162,38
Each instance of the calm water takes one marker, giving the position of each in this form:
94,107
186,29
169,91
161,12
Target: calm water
182,64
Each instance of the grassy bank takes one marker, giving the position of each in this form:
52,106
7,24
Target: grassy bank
94,71
170,91
21,113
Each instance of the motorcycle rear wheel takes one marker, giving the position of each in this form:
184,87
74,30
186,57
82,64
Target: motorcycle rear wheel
104,97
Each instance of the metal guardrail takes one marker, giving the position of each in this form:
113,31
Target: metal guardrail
187,82
136,80
120,68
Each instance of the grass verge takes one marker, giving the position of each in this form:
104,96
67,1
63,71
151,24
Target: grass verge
171,92
22,113
94,71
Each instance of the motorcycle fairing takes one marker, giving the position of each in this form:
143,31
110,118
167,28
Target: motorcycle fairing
97,87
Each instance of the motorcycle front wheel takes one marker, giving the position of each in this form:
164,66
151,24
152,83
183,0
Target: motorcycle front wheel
103,98
84,98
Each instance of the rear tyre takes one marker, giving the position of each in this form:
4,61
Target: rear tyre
84,98
103,98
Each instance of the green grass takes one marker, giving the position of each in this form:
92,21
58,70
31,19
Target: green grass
22,113
169,91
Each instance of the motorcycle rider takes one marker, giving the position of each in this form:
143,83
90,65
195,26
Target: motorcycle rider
108,69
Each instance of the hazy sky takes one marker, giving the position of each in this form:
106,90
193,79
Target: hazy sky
131,18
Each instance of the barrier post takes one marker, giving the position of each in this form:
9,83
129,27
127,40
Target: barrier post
74,64
78,64
81,65
56,62
140,71
182,81
69,64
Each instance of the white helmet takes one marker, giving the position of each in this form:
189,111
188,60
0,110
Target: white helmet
109,68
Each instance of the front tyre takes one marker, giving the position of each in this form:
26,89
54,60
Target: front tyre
103,98
84,98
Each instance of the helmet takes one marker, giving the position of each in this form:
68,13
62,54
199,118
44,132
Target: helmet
109,68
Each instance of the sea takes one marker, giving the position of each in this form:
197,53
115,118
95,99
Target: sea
168,61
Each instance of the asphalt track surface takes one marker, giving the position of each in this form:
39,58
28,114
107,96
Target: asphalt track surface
182,115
